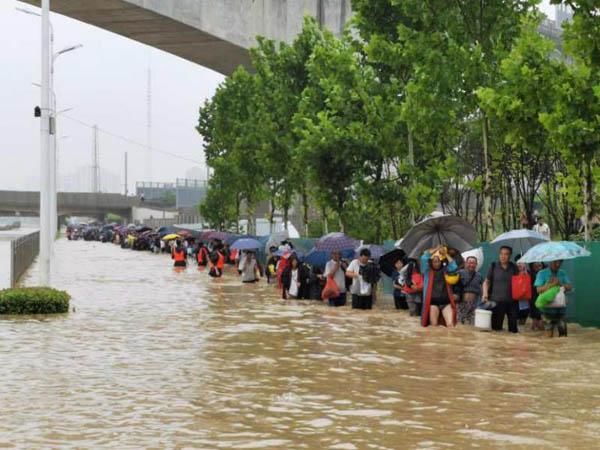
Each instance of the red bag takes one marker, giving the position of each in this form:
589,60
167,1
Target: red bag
330,290
521,287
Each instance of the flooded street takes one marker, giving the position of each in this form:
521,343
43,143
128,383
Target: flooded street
154,358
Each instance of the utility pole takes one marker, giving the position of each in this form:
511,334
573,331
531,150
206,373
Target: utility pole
126,189
45,162
95,163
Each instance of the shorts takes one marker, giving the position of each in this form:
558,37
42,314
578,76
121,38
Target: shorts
180,264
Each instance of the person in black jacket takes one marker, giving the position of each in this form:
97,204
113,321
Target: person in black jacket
294,279
497,287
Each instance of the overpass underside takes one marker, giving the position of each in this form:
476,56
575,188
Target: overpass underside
156,30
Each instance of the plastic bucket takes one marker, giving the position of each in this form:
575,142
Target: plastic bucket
483,319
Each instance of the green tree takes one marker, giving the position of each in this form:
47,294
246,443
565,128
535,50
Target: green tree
528,88
575,122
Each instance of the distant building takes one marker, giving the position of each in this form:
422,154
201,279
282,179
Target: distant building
562,13
184,194
196,173
189,193
81,181
155,192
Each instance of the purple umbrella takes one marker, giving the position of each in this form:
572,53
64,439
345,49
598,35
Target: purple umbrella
219,235
336,242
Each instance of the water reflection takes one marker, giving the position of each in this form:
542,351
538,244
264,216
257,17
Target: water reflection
154,358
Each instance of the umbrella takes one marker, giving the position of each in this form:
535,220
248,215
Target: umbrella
554,251
452,231
336,241
287,253
477,253
230,239
218,235
170,237
519,240
246,244
388,260
184,233
319,258
377,251
163,231
275,239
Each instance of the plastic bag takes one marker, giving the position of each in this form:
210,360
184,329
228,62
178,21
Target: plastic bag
560,300
521,287
330,290
547,297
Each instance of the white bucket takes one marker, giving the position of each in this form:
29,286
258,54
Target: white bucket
483,319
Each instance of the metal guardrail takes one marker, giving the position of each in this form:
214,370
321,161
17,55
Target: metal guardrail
24,250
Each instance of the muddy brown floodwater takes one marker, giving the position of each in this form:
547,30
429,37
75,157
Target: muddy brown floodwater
153,358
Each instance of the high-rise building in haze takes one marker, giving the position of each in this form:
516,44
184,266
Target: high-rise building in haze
562,13
81,181
196,173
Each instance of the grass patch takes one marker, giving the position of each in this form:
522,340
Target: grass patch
34,300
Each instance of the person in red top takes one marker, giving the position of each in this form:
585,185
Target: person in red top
202,255
216,264
179,255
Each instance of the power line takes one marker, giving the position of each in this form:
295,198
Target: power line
132,142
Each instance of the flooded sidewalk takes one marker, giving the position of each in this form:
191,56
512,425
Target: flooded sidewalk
155,358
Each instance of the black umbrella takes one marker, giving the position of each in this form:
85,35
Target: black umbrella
388,261
451,231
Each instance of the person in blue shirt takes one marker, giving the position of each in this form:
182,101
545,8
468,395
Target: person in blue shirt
546,279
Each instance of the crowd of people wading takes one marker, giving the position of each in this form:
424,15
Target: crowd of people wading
435,270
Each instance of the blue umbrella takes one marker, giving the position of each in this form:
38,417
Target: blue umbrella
246,244
336,242
319,258
554,251
519,240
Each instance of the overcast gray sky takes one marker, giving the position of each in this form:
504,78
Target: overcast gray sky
105,83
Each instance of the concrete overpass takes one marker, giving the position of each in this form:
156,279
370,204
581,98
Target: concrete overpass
68,203
213,33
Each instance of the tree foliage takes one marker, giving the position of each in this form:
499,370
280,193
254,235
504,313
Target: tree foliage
421,103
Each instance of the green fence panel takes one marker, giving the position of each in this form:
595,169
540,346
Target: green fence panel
584,301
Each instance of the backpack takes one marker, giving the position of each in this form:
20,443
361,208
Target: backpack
371,273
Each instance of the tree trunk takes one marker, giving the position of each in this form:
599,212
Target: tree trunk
588,190
393,222
325,221
272,215
238,202
251,218
411,161
305,210
487,185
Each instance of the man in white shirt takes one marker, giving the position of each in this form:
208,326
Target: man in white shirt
542,227
362,291
335,268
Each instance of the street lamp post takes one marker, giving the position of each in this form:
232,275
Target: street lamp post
51,168
45,241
